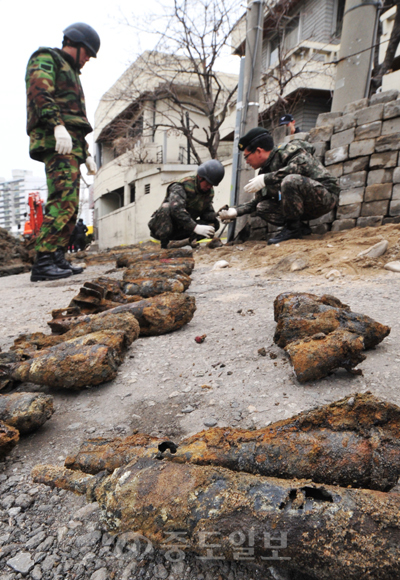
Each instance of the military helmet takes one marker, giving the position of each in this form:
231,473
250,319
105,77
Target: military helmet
81,33
212,171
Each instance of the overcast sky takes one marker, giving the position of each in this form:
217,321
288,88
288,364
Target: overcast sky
28,25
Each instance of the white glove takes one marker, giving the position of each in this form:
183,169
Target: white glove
63,140
91,166
228,214
205,231
255,184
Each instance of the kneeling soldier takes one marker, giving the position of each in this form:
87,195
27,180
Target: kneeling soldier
187,210
291,187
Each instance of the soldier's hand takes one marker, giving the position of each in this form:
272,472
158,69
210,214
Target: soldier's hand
91,166
255,184
63,140
205,231
228,214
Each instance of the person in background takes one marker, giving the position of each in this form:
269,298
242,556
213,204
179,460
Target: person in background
79,235
290,121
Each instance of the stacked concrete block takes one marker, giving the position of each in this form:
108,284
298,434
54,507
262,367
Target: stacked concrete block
362,151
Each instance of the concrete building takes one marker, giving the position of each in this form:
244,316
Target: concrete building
14,198
300,45
137,149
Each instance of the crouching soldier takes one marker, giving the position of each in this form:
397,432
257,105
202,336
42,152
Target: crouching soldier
292,186
187,211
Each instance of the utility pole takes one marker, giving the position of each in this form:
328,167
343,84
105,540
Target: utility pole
353,73
252,79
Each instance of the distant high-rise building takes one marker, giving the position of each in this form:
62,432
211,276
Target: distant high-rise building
14,198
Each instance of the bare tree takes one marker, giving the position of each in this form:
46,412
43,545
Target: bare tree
176,86
394,40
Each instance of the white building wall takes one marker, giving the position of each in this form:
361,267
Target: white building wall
128,225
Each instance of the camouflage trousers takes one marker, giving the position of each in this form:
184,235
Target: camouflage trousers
163,227
302,198
63,178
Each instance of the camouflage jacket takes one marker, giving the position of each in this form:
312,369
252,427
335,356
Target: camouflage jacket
295,157
187,203
54,97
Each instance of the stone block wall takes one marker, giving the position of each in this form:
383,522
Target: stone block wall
360,146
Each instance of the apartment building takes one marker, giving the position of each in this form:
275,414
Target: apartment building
300,46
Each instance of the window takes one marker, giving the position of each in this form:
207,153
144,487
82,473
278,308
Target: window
339,17
286,39
292,33
147,188
132,192
273,51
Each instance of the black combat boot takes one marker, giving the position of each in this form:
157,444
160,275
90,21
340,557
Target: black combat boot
45,268
61,262
305,229
293,230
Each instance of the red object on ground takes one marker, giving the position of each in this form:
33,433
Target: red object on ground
200,339
33,224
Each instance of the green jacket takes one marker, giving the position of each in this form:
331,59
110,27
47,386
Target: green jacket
187,203
54,97
295,157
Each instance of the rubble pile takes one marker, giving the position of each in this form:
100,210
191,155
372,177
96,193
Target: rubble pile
320,334
203,486
15,258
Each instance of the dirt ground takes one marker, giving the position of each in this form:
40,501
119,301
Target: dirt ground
224,376
171,385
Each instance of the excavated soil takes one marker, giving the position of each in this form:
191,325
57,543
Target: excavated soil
315,255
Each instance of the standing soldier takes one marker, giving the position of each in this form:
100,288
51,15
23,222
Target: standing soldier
57,126
187,212
291,187
79,235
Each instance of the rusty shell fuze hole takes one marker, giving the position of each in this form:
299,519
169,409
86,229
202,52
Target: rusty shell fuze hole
298,497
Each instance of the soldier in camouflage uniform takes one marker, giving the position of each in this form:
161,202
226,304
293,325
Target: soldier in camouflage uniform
187,210
292,186
57,125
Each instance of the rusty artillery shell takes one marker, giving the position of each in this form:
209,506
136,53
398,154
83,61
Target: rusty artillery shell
302,303
314,358
291,327
131,258
151,267
9,437
148,287
100,295
158,315
123,321
84,361
352,442
99,454
320,334
184,264
324,531
26,411
139,272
